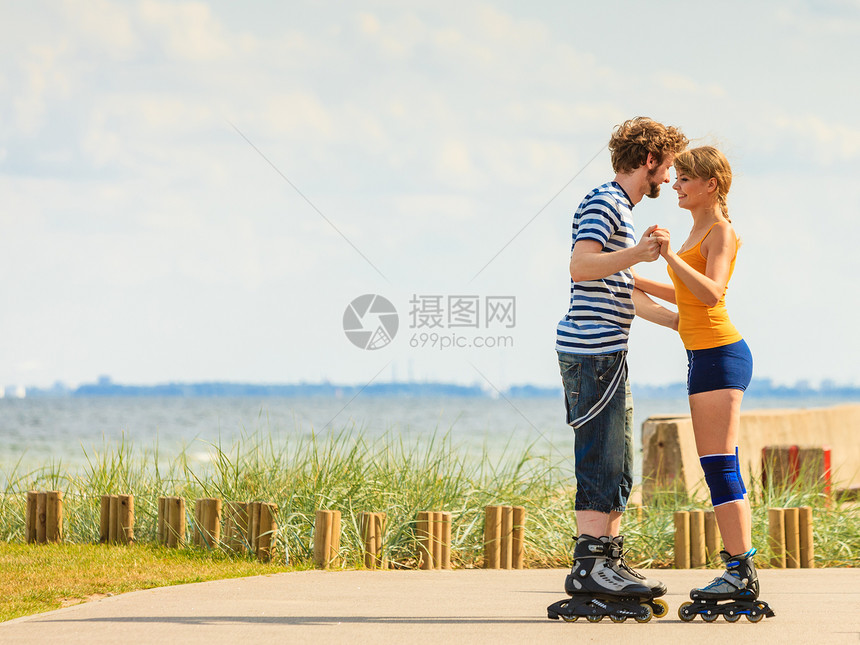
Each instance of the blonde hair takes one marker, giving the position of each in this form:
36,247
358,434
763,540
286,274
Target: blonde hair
634,139
706,162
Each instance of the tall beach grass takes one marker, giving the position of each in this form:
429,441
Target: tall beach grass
347,471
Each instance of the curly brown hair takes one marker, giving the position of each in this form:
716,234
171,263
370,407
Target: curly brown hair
634,139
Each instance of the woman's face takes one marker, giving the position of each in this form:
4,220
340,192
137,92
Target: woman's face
693,191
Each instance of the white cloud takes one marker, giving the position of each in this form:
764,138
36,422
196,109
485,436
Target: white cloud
104,25
189,29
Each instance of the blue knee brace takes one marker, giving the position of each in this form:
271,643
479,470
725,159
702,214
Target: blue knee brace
723,476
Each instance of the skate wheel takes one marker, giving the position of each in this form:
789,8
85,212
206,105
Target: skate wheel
569,619
710,617
647,616
594,619
683,614
617,619
660,607
754,616
731,616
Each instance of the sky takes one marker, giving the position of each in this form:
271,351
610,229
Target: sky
197,191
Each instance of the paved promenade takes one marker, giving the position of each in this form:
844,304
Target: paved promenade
448,607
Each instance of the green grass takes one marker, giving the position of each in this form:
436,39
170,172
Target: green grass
35,578
350,473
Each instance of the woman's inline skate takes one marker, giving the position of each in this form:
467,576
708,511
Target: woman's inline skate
597,587
738,585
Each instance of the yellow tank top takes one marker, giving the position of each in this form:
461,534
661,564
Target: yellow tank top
700,326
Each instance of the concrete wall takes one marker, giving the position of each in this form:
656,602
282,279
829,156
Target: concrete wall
669,447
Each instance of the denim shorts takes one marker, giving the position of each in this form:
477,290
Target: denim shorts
728,367
603,446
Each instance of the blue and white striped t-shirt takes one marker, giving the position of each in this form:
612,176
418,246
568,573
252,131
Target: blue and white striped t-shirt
598,321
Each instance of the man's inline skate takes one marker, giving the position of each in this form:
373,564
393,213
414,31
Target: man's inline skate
616,554
597,589
738,585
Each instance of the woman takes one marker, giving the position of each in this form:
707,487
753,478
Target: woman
719,368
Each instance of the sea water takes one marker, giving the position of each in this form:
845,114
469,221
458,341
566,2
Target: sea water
66,430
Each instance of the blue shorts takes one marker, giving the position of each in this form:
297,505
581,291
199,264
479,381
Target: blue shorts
719,368
603,446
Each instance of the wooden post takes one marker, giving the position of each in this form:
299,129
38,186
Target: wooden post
176,522
425,540
518,535
54,516
126,519
31,517
372,529
41,516
776,537
507,534
211,522
254,526
436,533
792,538
712,536
170,507
268,527
492,536
104,519
682,540
698,552
445,538
113,515
197,526
807,548
326,538
161,535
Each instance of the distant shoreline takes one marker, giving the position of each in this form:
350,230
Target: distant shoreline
760,388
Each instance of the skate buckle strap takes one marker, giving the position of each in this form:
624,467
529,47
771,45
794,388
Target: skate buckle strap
728,577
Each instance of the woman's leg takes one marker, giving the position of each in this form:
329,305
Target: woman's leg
716,420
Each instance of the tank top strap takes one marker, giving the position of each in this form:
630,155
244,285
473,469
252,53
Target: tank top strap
699,245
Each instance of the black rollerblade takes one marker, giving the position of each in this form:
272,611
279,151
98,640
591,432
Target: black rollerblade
738,585
616,553
597,590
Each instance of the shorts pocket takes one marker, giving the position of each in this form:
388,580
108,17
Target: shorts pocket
605,366
571,377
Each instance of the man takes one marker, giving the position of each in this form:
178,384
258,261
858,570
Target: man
591,343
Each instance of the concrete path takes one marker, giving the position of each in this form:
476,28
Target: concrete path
446,607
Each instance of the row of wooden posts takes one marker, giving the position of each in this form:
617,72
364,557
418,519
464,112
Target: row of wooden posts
251,527
790,538
697,538
43,520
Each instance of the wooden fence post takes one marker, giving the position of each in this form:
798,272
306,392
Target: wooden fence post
41,516
326,538
32,515
712,536
698,552
371,527
807,548
682,539
776,537
792,538
492,537
518,537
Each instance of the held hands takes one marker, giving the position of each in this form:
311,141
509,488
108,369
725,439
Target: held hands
661,235
648,248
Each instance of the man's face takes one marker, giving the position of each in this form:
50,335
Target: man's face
659,175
